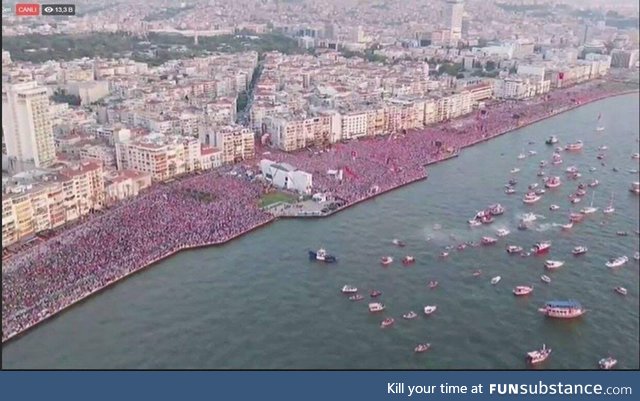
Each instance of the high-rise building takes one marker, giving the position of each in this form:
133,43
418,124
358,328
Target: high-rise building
27,125
453,17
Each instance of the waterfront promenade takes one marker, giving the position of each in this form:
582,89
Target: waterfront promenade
212,208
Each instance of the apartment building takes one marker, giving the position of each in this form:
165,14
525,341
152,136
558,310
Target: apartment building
237,143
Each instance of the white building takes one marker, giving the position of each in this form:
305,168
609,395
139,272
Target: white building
453,15
285,176
26,122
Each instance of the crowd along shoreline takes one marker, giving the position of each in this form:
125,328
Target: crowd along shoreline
84,297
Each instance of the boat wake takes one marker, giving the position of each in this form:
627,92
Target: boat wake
546,226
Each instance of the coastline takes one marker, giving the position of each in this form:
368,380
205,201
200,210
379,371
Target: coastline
15,335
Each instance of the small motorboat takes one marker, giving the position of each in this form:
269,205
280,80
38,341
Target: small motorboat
321,255
496,280
553,182
553,264
622,233
533,186
603,147
571,170
397,242
475,223
376,307
600,156
594,183
579,250
461,247
636,256
615,169
607,363
387,322
422,347
567,226
540,191
541,247
554,207
531,197
489,240
635,156
430,309
496,210
522,156
580,192
514,249
552,140
347,289
576,199
572,147
477,273
375,293
410,315
407,260
541,173
545,279
592,169
433,284
617,262
522,290
588,210
621,290
510,191
513,182
444,254
503,232
543,163
356,297
532,153
514,170
386,260
575,218
538,356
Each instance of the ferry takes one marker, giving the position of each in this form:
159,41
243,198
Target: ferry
522,290
553,264
387,322
410,315
563,309
503,232
430,309
375,293
407,260
621,290
553,182
347,289
545,279
617,262
607,363
432,284
574,146
376,307
635,188
488,240
356,297
579,250
422,347
496,210
386,260
554,207
397,242
541,247
531,197
552,140
321,256
496,280
514,249
538,356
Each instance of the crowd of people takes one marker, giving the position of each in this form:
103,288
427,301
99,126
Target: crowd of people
213,208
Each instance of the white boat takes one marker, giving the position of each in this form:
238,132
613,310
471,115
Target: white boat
531,197
475,223
552,140
407,260
594,183
609,209
410,315
522,156
576,199
543,163
636,256
356,297
376,307
554,207
522,290
387,322
590,209
528,218
532,153
422,347
386,260
429,309
347,289
607,363
540,191
541,173
514,249
545,279
567,226
635,188
617,262
635,156
574,146
503,232
621,290
488,240
603,147
571,170
397,242
553,264
510,191
533,186
514,170
579,250
496,280
553,182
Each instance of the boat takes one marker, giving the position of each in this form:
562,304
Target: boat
386,260
572,147
376,307
488,240
410,315
601,156
607,363
375,293
347,289
609,209
552,140
622,233
477,273
422,347
541,173
575,218
514,170
621,290
356,297
321,256
545,279
429,309
635,188
513,182
522,156
594,183
567,226
433,284
579,250
540,191
533,186
496,210
510,191
580,192
553,264
636,256
556,159
461,247
571,170
554,207
503,232
635,156
558,149
563,309
397,242
532,153
387,322
541,247
475,223
538,356
576,199
531,197
543,163
407,260
553,182
617,262
487,219
514,249
496,280
444,254
528,218
603,147
522,290
633,171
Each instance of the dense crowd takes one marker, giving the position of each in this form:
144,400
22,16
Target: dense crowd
211,208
